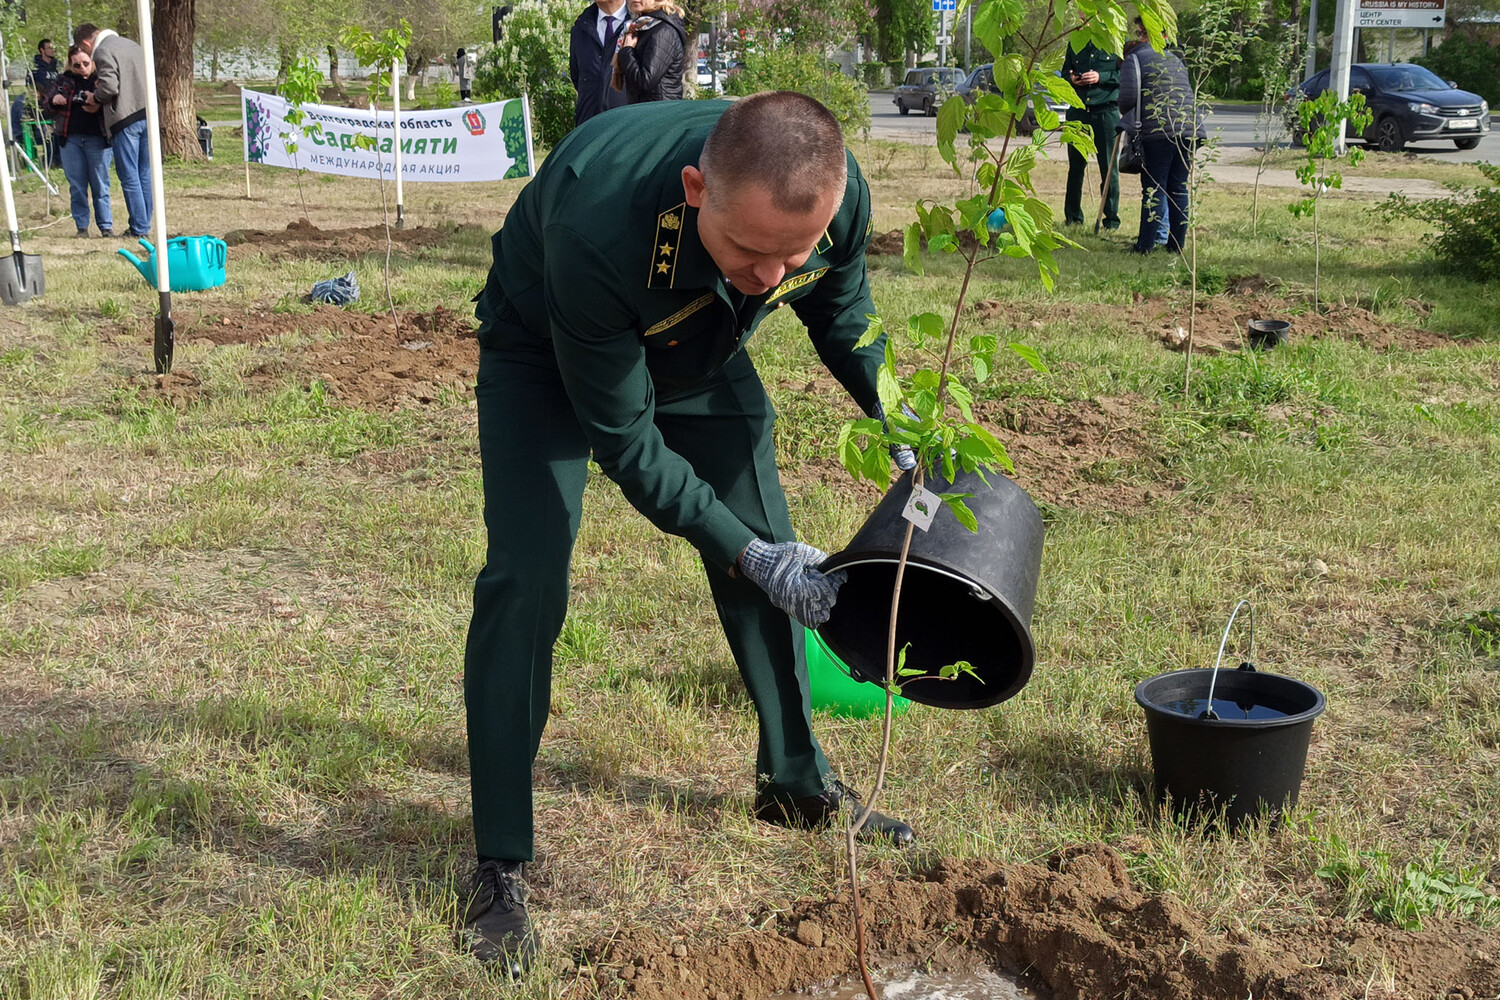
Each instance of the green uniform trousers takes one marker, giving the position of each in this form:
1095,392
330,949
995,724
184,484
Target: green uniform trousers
535,459
1103,119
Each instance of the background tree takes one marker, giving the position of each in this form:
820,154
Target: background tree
172,25
903,28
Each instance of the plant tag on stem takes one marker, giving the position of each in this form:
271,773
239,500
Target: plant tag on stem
922,507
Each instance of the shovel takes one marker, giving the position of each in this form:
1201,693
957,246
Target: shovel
21,274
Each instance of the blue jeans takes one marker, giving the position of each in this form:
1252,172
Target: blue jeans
133,164
85,163
1164,191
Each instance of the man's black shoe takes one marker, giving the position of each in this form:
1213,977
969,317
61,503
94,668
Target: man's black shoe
838,803
495,921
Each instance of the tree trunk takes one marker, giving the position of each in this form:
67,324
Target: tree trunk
333,71
173,23
213,70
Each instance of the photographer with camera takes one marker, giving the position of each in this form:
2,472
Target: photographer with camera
85,150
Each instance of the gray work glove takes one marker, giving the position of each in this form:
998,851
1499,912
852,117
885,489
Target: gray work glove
901,454
788,573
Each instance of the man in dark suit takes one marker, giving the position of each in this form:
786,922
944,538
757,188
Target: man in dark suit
591,52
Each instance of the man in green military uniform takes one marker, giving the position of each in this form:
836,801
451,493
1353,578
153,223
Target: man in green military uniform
1095,74
626,280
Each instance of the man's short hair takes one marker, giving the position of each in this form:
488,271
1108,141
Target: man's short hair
43,44
783,141
85,31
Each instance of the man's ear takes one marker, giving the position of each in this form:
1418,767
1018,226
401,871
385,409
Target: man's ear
693,186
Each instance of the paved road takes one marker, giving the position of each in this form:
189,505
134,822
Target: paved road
1235,124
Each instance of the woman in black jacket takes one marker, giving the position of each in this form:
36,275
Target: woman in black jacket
1156,100
648,65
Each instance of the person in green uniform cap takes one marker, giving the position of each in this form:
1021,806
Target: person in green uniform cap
626,280
1095,74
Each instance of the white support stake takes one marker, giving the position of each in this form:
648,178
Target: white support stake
526,126
165,330
396,130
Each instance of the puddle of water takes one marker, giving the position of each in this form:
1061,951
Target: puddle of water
983,984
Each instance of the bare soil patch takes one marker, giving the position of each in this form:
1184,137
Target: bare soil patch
1220,321
1075,924
302,239
1096,454
363,360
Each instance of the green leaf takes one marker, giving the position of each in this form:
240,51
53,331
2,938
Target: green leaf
929,323
873,331
1029,355
950,119
942,243
888,389
911,248
877,464
1062,90
962,512
962,398
982,364
1047,120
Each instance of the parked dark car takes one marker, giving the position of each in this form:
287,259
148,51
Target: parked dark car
1409,103
982,81
927,88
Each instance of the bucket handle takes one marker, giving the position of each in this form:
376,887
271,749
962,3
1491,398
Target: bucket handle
1208,713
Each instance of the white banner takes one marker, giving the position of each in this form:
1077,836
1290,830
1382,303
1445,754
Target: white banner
476,142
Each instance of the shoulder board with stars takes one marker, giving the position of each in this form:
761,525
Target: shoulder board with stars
668,237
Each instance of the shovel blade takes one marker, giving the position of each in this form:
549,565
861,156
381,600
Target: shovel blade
21,278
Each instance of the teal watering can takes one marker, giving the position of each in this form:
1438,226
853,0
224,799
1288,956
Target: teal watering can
193,262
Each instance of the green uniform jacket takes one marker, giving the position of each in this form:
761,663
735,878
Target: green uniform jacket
598,270
1107,90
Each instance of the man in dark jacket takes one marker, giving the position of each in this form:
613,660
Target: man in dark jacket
1095,74
121,94
591,54
626,280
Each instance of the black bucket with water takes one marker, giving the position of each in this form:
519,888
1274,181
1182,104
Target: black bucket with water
964,596
1267,333
1245,757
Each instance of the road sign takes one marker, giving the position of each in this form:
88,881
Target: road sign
1401,14
945,39
945,4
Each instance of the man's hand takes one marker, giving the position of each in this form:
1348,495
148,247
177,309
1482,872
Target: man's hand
788,573
89,104
1087,79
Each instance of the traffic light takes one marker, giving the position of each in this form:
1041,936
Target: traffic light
499,15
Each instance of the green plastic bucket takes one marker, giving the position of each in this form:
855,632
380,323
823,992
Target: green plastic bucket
833,690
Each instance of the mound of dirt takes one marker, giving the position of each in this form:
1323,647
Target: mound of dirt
303,239
362,358
1097,454
370,364
1075,924
1220,321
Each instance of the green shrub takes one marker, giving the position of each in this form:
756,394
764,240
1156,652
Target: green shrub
1472,63
1468,224
874,74
806,73
532,59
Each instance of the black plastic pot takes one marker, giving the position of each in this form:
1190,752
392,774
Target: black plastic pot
1244,767
964,596
1266,333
